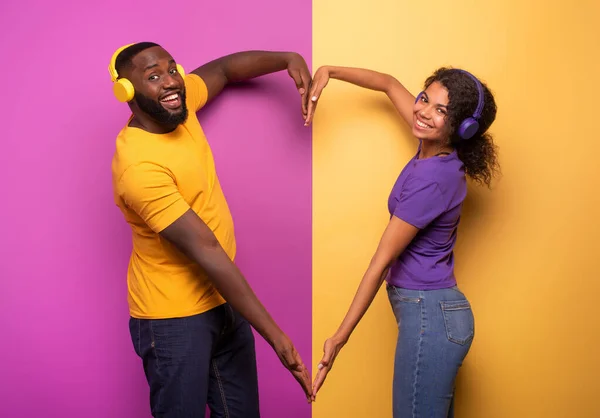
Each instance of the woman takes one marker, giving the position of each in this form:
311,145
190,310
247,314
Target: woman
415,255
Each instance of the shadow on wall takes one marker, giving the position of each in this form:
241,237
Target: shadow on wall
475,208
475,229
271,89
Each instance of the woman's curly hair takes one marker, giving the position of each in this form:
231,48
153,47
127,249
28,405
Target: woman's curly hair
478,153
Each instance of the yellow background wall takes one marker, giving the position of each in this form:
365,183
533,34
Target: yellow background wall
528,250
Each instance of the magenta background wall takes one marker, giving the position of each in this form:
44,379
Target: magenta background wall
65,349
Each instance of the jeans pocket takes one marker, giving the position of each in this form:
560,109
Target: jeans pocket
135,332
458,320
402,297
230,319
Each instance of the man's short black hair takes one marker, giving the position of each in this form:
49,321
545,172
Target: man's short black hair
126,56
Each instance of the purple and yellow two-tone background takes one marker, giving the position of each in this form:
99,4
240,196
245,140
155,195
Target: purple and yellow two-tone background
309,203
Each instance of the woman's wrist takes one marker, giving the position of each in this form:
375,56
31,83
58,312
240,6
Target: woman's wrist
340,337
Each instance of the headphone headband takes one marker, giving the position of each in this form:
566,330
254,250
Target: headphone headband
112,70
479,109
470,126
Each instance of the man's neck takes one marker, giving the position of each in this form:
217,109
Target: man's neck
150,125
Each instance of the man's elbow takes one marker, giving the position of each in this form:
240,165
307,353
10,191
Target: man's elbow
191,238
196,247
222,70
208,243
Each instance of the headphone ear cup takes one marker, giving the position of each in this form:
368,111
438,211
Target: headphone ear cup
180,71
123,90
468,128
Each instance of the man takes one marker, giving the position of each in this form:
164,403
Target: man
189,304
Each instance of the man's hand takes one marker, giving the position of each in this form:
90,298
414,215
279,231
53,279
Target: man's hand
331,349
291,360
298,70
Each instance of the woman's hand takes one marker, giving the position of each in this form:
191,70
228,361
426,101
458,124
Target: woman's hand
331,349
319,81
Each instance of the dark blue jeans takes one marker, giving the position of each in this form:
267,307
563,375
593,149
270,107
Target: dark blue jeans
206,359
435,332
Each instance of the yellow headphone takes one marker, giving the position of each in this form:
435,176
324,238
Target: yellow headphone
123,88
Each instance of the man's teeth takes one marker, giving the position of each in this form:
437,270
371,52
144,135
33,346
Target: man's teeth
422,125
169,98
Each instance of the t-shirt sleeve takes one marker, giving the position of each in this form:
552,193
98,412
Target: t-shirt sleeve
196,92
420,202
150,190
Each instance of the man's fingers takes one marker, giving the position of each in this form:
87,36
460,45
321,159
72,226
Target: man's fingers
304,379
304,91
308,383
300,84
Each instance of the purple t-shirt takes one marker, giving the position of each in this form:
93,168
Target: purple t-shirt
428,195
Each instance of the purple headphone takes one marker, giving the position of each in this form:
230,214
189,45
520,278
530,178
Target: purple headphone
470,125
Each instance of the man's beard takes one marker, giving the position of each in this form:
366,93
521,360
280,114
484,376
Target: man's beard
161,115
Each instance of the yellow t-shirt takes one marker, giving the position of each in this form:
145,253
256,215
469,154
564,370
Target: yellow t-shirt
156,179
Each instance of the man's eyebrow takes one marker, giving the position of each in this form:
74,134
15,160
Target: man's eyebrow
171,61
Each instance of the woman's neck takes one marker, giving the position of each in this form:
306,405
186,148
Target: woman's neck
431,149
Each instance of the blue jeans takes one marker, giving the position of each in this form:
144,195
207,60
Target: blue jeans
435,332
191,362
